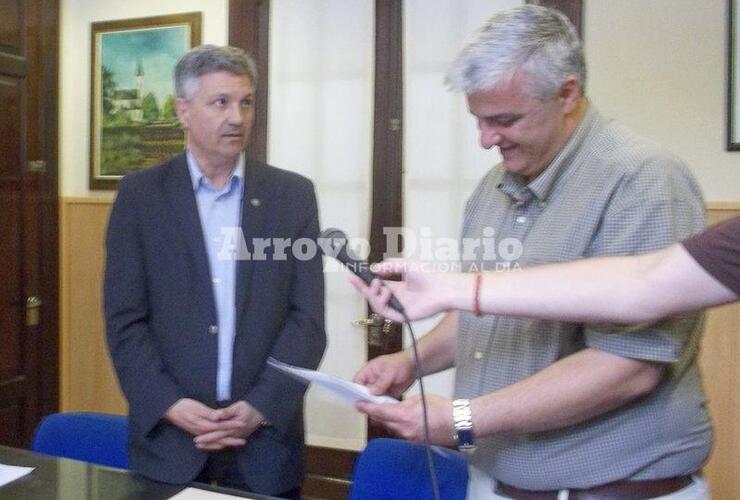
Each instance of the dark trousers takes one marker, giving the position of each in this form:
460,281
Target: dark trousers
221,469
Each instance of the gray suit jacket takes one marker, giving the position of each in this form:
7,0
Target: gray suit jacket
159,308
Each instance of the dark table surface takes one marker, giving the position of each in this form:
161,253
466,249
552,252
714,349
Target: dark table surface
62,479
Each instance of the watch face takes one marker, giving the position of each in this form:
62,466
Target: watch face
465,441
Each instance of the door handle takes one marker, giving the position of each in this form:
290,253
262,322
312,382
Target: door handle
33,304
372,320
37,166
377,329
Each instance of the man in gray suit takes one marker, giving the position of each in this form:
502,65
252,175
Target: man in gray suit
190,320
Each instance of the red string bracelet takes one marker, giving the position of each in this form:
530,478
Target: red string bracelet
476,294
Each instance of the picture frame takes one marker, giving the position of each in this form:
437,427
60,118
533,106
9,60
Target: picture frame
733,77
133,123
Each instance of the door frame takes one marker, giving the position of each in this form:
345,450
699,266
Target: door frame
48,20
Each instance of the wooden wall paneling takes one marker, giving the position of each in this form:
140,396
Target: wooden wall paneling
88,381
720,352
721,372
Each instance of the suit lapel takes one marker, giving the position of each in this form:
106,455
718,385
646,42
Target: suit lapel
179,192
253,213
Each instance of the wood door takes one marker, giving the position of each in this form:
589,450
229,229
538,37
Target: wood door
28,217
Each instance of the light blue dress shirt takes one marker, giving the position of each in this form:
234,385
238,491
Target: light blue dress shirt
220,214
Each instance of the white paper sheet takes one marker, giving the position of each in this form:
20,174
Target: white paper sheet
198,494
10,473
343,389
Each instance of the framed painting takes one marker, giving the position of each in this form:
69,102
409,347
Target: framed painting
733,77
133,124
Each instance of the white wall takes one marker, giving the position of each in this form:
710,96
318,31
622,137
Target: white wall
74,77
660,67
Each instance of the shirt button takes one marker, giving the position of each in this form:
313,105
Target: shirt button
477,355
216,281
521,219
542,204
213,329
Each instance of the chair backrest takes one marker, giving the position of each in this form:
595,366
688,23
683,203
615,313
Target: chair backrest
92,437
394,469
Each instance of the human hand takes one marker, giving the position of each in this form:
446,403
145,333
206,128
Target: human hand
390,374
423,292
242,419
196,418
406,419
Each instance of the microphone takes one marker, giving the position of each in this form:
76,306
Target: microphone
336,241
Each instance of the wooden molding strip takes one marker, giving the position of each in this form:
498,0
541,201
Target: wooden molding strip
723,205
87,200
107,200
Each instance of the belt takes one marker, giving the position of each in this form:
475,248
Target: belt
618,490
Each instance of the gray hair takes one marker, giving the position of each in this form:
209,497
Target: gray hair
538,41
210,59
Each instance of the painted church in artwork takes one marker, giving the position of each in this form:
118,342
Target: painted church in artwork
129,101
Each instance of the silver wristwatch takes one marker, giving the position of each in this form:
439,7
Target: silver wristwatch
462,418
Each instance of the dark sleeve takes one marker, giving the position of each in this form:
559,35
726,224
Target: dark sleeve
302,339
717,250
149,389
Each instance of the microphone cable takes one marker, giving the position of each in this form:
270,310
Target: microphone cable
337,241
424,407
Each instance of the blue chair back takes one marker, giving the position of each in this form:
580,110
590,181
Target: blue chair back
91,437
390,469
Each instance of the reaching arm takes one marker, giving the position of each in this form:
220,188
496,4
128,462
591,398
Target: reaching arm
618,289
612,289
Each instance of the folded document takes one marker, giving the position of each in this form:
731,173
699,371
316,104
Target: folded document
10,473
343,389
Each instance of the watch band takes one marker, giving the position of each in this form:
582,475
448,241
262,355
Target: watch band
462,418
